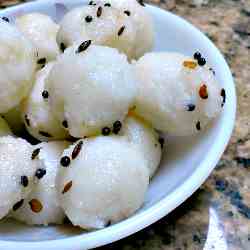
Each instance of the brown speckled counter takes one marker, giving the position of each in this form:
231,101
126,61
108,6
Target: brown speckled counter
217,216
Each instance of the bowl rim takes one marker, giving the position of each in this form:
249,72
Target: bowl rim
166,204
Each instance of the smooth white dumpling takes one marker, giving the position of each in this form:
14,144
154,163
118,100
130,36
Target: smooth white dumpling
101,181
42,207
91,87
36,112
177,94
142,22
102,24
145,139
17,66
15,121
42,31
17,171
4,128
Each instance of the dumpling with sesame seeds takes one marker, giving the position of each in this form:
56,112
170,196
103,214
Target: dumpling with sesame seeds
102,180
17,66
100,23
36,112
42,207
142,22
91,87
17,170
143,138
42,31
177,94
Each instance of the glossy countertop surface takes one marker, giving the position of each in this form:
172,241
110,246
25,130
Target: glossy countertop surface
217,216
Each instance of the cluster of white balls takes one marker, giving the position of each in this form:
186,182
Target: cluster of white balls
94,98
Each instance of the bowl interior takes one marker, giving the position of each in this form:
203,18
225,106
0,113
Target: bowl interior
187,162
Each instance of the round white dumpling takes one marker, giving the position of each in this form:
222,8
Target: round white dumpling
145,139
42,207
36,112
142,22
42,31
17,171
17,66
177,94
4,128
101,181
102,24
90,87
15,121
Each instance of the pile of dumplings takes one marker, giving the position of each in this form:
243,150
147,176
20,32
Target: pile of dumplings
83,104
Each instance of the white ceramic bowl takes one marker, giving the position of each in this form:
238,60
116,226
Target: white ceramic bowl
185,166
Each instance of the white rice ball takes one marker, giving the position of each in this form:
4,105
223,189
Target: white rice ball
37,114
42,31
145,139
176,95
103,25
4,128
143,24
42,207
105,181
15,121
92,89
17,66
16,172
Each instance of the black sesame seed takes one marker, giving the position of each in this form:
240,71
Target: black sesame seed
45,134
88,19
6,19
141,2
41,61
40,173
45,94
121,30
197,55
99,11
77,150
198,126
35,153
107,5
117,127
202,61
65,161
162,142
223,94
127,12
62,47
83,46
24,181
65,124
27,120
92,3
212,70
191,107
18,205
106,131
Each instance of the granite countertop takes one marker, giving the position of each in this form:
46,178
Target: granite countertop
217,216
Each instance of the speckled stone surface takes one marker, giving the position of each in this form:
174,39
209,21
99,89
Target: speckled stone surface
217,216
